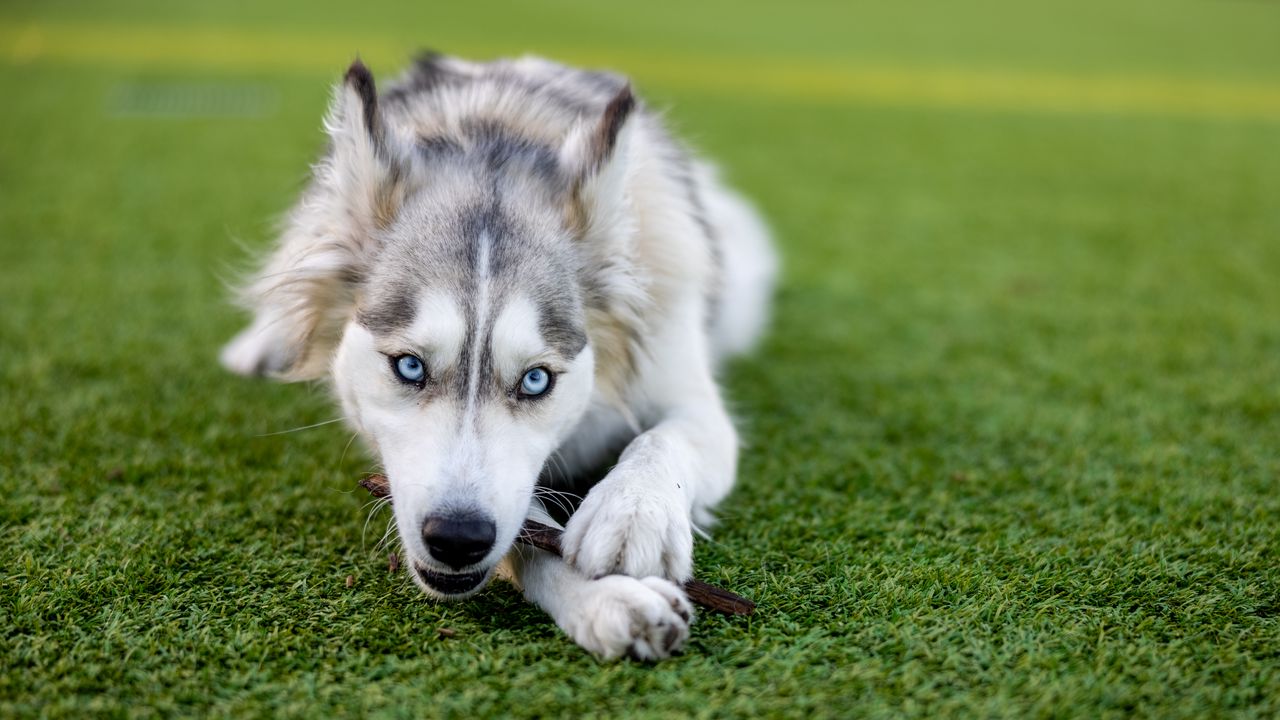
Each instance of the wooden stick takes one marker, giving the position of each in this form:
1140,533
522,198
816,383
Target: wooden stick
545,537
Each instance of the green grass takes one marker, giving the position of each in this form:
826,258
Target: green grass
1013,442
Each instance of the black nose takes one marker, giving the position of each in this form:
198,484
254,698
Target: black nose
458,540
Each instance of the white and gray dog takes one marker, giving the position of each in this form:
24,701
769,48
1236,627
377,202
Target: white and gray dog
514,275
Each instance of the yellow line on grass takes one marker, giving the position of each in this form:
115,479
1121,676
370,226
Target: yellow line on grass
238,50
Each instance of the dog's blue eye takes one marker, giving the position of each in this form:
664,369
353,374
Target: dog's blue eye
409,368
535,382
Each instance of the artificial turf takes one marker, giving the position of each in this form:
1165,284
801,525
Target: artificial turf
1011,445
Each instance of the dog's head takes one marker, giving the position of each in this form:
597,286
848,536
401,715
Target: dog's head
454,289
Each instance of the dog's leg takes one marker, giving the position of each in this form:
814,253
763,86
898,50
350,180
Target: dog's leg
644,618
263,348
639,519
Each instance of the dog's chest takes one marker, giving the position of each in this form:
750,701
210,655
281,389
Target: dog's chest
592,447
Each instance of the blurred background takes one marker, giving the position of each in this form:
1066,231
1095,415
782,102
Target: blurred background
1022,395
929,133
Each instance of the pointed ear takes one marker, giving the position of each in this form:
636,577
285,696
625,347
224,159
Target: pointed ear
370,169
306,290
596,157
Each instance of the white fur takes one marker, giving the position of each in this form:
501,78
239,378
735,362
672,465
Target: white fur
647,618
439,327
434,467
630,543
522,346
750,263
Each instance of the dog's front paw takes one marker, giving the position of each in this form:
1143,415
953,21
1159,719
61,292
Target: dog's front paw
630,530
644,618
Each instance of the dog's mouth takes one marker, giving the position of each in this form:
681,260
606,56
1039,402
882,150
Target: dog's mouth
451,583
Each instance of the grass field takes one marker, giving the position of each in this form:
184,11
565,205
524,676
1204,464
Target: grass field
1014,442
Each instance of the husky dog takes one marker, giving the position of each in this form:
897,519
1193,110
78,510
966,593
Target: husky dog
512,274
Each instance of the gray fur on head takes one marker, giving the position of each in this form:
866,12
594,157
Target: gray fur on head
448,142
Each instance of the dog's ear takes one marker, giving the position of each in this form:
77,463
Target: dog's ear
307,290
369,169
596,159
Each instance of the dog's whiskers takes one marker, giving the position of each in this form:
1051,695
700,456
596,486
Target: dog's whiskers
559,465
563,500
378,504
559,504
543,490
388,534
347,447
304,427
